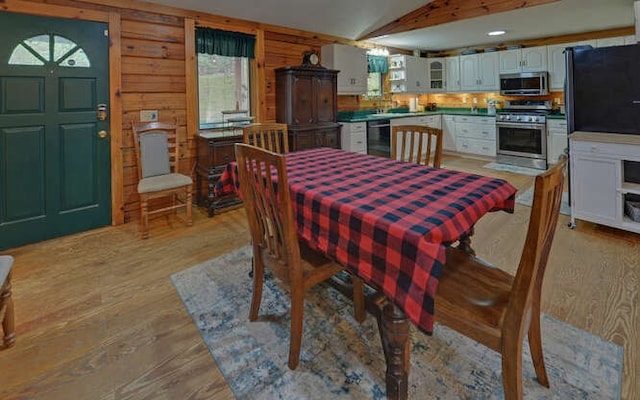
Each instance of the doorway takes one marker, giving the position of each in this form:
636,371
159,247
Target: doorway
55,162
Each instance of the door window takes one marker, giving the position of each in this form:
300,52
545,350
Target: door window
42,49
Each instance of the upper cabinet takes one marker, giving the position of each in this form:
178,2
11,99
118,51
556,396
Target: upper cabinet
479,72
452,71
615,41
555,59
408,74
437,73
531,59
351,61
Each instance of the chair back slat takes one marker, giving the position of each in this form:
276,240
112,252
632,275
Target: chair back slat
265,193
417,144
545,209
272,137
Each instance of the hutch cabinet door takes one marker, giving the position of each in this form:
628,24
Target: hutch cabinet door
326,97
302,100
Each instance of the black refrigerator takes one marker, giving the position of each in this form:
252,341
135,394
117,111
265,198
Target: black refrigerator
602,89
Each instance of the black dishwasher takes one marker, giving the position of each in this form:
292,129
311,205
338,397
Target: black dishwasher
379,138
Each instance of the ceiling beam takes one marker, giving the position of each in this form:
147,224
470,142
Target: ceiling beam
439,12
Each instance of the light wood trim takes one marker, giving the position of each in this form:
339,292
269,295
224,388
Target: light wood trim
115,89
259,82
28,7
191,68
439,12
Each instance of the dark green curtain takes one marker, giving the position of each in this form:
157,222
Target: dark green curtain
377,64
225,43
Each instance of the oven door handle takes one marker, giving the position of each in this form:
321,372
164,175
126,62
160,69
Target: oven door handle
521,126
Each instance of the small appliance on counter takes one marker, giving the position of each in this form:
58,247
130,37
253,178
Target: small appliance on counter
431,107
413,104
491,107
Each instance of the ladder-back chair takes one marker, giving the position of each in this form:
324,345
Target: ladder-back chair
273,137
417,144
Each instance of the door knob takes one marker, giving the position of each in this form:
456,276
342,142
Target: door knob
102,134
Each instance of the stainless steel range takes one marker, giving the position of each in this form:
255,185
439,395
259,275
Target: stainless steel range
522,133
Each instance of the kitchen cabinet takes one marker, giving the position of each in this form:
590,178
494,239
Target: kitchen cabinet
556,139
351,62
452,71
530,59
555,60
475,135
408,74
436,70
306,100
599,188
615,41
449,133
479,72
354,137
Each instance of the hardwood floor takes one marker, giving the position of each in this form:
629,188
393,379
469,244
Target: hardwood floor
98,318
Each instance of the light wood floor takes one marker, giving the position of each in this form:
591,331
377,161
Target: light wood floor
98,317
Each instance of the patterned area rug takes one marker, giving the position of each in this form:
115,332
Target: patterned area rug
513,168
342,359
526,199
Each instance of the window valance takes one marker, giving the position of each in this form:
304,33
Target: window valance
377,64
225,43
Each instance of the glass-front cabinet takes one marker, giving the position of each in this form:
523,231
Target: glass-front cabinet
436,73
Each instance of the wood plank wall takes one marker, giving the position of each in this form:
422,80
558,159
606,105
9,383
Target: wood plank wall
153,70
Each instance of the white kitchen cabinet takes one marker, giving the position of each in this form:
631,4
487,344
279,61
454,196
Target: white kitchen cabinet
555,60
529,59
408,74
599,188
351,61
630,39
452,71
479,72
449,133
610,41
475,135
556,139
436,71
354,137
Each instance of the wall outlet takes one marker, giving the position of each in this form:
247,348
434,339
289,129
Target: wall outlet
148,115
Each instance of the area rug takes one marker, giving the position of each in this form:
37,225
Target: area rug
526,199
513,168
342,359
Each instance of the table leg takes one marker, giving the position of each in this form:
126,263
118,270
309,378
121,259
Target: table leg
395,339
464,243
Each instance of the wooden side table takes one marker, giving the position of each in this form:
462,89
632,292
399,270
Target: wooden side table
215,149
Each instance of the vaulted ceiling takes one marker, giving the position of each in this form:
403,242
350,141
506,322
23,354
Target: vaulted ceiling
423,24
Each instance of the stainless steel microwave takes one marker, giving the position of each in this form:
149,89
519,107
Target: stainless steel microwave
524,84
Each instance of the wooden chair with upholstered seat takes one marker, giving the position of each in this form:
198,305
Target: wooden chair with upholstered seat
275,241
495,308
417,144
273,137
6,303
156,146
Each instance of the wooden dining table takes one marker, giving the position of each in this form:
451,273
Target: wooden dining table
389,223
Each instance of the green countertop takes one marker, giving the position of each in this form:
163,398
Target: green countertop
371,115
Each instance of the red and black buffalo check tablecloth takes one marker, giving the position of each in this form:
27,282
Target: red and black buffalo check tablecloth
387,220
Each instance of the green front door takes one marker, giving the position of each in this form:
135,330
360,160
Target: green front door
54,150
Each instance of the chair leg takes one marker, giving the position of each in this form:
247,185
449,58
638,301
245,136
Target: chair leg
8,323
535,345
188,205
295,339
358,298
144,217
512,367
258,281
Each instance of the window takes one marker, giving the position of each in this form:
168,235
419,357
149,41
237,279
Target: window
36,51
224,71
223,86
377,66
374,85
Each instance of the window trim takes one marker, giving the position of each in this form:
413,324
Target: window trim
256,72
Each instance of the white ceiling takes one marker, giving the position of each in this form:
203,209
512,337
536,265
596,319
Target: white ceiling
351,19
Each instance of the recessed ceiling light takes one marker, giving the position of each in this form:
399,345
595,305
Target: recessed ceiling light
496,33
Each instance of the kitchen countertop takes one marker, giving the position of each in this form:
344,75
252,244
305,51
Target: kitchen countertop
371,115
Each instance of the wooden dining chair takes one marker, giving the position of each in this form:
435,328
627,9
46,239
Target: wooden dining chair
156,147
6,303
495,308
417,144
275,241
273,137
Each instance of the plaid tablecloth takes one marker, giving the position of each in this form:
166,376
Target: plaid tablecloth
387,221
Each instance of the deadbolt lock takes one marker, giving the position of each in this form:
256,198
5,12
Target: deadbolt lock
101,112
